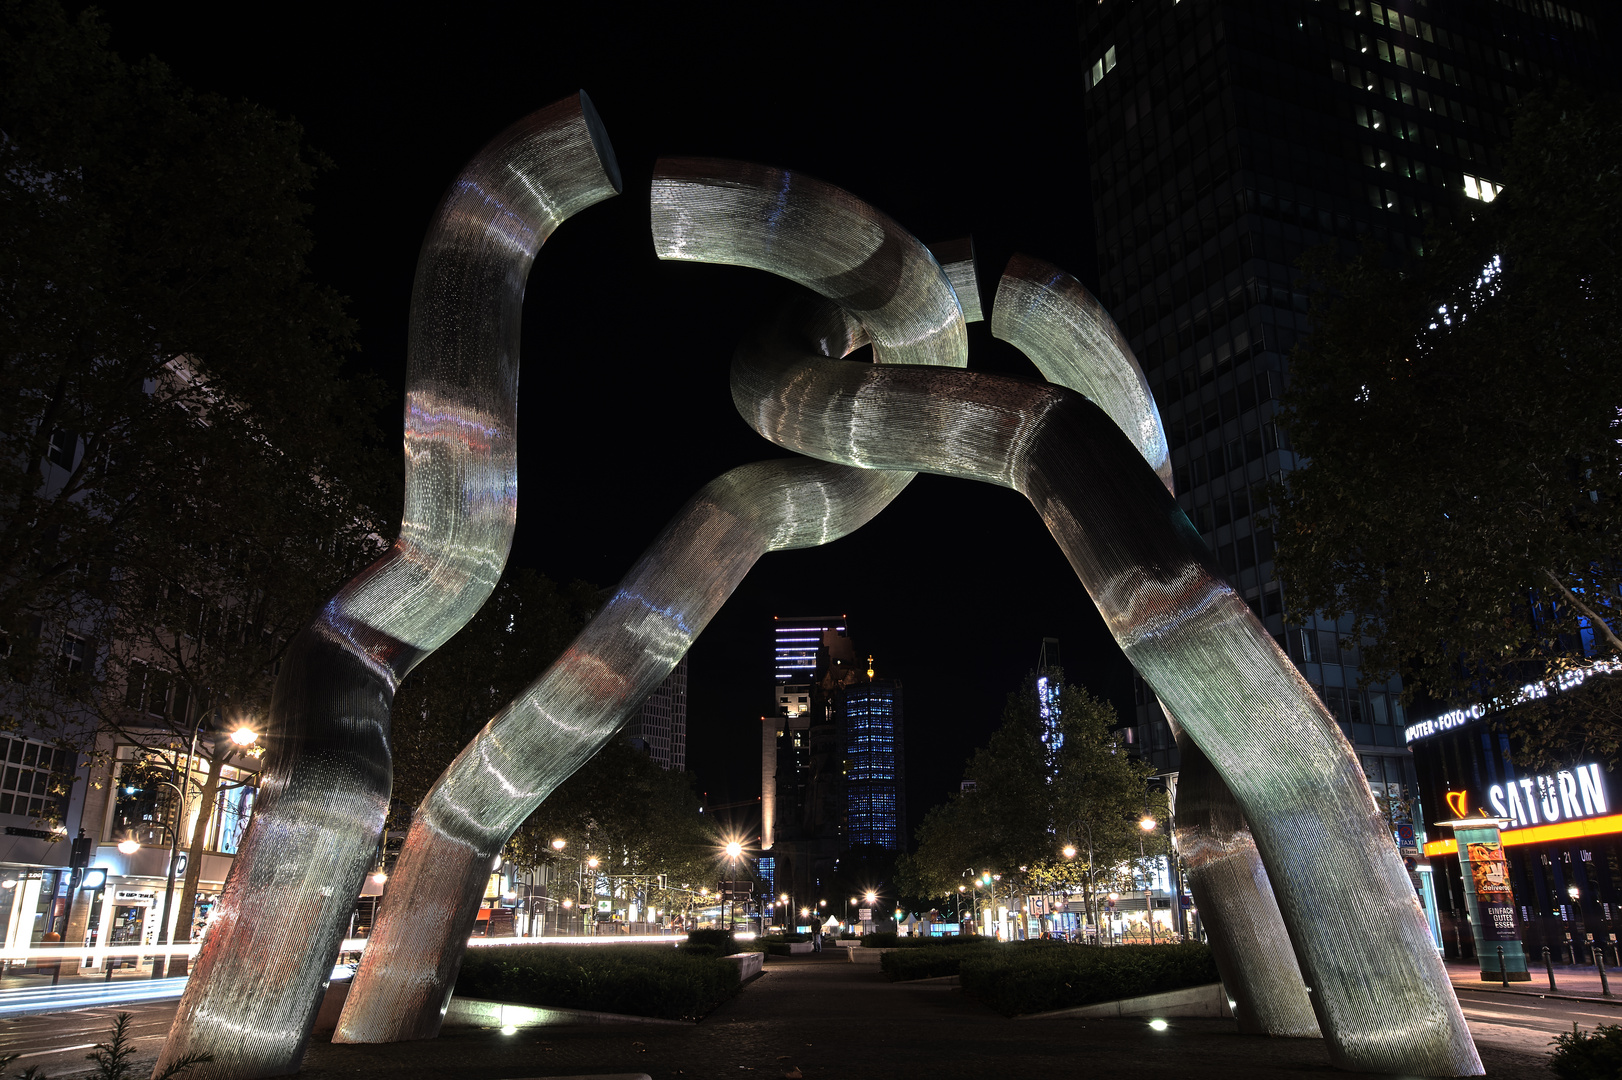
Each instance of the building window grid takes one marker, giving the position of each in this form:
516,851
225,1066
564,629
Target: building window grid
31,769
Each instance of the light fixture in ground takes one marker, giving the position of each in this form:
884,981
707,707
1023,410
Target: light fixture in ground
1158,1024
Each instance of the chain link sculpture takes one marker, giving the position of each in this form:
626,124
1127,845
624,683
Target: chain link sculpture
1096,472
803,230
1050,317
253,995
1379,991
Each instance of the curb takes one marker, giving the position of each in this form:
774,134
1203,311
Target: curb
1551,995
473,1012
1210,1000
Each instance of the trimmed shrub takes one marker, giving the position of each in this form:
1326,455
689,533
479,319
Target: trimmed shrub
636,980
1039,976
723,941
932,963
938,942
1588,1055
884,939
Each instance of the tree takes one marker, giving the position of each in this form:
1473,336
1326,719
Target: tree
1020,815
1460,502
526,624
190,469
640,821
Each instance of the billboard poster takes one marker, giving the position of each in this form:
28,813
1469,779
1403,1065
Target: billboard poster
1489,873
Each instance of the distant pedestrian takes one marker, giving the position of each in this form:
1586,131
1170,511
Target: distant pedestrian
816,934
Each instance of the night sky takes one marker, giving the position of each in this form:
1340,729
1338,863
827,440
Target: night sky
953,125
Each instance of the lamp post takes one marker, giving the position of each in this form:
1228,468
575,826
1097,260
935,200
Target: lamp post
734,851
1147,824
557,845
160,961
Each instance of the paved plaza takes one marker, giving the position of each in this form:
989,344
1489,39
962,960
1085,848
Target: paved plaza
815,1017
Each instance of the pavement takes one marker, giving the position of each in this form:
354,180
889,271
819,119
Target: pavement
818,1017
1580,983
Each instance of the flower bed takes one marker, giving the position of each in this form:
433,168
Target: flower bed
636,980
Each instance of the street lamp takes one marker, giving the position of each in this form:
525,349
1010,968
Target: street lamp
1147,823
129,846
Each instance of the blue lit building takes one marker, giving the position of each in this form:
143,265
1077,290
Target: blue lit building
875,800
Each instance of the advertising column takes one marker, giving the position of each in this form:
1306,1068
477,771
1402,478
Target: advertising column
1489,898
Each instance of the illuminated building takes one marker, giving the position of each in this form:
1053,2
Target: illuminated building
1563,841
874,774
1226,138
1049,689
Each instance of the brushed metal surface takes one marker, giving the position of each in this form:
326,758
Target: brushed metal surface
1379,991
260,974
882,283
1052,318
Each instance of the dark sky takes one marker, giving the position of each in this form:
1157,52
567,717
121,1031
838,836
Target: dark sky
952,122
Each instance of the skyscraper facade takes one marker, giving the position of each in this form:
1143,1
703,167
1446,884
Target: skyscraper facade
1229,136
660,729
832,775
871,718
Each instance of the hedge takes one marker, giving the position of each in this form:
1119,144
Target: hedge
1038,977
906,963
635,980
889,939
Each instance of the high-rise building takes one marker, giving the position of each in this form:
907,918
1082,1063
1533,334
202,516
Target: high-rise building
1049,689
1226,138
831,756
660,729
807,653
871,721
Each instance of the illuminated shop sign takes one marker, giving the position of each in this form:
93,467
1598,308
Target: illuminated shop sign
1566,680
1571,804
1566,796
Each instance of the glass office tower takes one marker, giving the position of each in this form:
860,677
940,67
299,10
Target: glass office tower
875,800
1229,136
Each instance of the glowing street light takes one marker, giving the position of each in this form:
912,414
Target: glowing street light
559,844
129,846
1147,824
1069,851
379,878
244,736
734,850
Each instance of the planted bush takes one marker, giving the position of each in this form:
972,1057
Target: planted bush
719,942
637,980
1040,976
1588,1055
931,963
940,942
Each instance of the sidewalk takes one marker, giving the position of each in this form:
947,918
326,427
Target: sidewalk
1571,983
818,1017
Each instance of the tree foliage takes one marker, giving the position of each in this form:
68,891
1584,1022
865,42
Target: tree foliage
190,470
1019,816
526,624
639,820
1461,497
